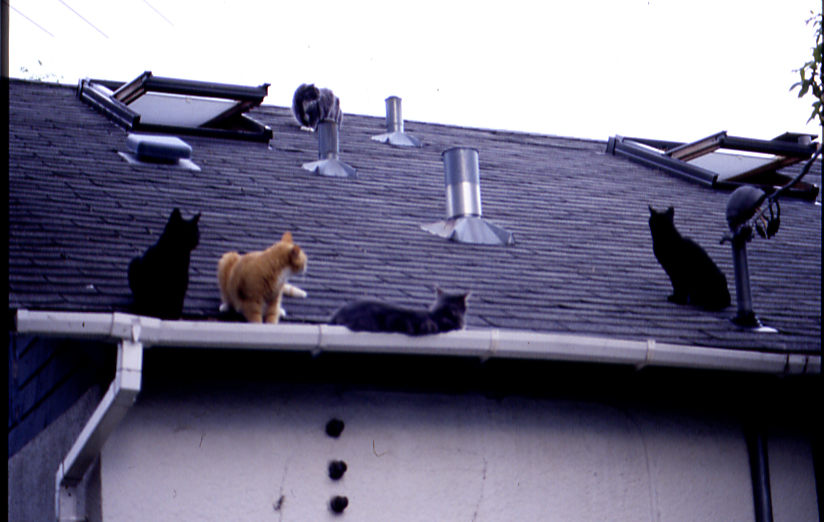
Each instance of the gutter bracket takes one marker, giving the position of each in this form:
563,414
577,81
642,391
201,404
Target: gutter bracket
494,344
321,344
648,357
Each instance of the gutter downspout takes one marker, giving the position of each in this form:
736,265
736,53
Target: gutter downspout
484,344
760,473
117,401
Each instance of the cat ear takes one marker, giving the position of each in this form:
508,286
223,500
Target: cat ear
651,210
287,237
176,214
439,291
670,212
195,219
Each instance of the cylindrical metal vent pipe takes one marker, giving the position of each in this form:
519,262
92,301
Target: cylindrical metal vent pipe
328,145
463,182
394,115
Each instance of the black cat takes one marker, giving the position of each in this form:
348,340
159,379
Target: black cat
311,105
159,278
372,316
695,277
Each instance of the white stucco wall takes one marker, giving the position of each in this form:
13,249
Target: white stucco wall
231,455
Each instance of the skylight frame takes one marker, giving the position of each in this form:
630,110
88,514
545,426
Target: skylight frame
114,98
679,159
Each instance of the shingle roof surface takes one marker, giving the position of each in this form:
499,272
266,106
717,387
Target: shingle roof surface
582,262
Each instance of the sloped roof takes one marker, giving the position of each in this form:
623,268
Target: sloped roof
582,261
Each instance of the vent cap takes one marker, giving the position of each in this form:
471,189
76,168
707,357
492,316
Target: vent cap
394,126
463,222
328,163
165,149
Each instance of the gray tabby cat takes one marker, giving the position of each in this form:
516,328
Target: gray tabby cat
311,105
447,313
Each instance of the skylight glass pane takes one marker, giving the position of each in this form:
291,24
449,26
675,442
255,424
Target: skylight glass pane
731,165
178,110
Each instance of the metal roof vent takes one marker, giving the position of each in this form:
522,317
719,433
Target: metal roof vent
742,206
463,203
167,150
394,126
328,150
747,209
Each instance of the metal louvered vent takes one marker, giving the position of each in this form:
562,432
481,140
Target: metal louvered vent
463,222
394,126
164,150
328,163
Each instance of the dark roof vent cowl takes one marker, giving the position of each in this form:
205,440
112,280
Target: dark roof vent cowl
328,163
158,150
161,149
394,126
464,223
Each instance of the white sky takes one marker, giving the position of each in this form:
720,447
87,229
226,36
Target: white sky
677,69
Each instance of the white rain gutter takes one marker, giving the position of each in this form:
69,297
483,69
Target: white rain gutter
484,344
133,333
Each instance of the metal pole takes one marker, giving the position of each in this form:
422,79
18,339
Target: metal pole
746,315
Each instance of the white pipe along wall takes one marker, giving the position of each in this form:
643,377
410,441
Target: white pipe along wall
410,428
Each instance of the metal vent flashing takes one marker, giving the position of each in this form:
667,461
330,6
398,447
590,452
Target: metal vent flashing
394,126
464,223
328,163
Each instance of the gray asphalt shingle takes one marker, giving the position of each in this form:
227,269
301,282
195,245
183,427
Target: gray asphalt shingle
582,261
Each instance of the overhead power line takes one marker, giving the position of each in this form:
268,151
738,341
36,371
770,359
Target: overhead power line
81,17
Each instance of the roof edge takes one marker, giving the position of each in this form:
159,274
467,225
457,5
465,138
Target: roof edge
483,343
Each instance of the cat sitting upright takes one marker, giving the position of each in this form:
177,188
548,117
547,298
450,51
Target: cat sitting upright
254,283
159,278
447,313
311,105
695,277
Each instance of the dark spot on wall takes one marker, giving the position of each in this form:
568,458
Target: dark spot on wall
334,428
338,504
336,469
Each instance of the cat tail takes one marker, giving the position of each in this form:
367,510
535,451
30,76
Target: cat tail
224,271
134,274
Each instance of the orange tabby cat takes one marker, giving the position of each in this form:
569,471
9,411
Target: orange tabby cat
253,283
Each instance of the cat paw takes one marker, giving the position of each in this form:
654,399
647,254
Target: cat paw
677,299
281,312
223,308
293,291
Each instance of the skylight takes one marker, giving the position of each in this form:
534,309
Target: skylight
710,162
157,108
172,106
